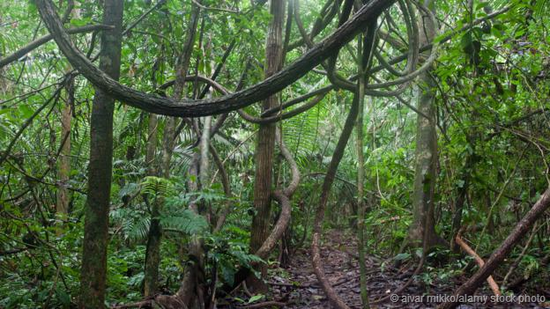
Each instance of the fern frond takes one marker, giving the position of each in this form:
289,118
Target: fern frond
185,221
136,230
156,186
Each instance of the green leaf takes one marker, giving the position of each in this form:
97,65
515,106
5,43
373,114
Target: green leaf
402,256
466,40
256,298
496,33
26,111
481,5
5,110
63,297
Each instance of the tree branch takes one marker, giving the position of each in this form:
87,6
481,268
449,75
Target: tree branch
45,39
196,108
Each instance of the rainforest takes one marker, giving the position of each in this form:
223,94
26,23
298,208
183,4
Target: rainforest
204,154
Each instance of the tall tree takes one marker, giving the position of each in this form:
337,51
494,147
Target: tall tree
426,148
266,138
96,225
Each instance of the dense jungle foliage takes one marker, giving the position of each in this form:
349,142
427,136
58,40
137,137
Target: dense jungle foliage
227,154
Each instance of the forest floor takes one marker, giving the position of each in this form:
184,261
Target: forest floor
298,287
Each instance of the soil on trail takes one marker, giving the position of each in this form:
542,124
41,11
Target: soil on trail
297,285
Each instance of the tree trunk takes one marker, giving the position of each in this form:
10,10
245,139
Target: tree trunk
426,153
361,196
96,225
364,56
204,148
461,200
168,146
152,141
266,142
204,165
64,167
152,254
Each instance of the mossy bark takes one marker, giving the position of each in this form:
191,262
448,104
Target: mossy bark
96,224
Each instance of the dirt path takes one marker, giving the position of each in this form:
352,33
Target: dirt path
298,285
342,269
